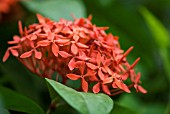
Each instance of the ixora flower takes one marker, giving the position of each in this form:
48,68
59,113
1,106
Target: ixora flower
76,50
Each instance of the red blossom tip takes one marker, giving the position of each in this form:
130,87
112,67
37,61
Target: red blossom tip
20,28
41,19
141,89
136,61
6,56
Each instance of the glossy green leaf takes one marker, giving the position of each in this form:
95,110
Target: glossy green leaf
56,9
118,109
85,103
157,29
17,102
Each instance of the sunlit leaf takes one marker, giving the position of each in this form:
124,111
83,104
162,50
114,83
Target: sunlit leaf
56,9
85,103
157,29
161,36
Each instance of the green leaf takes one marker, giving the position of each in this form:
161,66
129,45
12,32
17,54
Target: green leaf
85,103
2,109
17,102
166,62
118,109
157,29
161,37
17,76
56,9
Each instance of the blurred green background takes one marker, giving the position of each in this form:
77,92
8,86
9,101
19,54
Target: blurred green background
145,24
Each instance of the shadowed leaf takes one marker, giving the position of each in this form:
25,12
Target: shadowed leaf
17,102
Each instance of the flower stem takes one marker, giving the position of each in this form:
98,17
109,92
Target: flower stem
52,106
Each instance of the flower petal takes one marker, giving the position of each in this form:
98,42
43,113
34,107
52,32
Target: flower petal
109,70
98,59
128,51
16,40
135,62
90,73
82,56
82,45
66,30
137,78
77,64
20,28
43,43
84,85
103,69
14,52
50,36
64,54
12,42
41,19
125,88
71,64
76,37
62,41
74,49
6,56
96,88
92,66
73,76
97,42
33,37
125,76
42,35
47,30
108,80
38,55
141,89
55,49
106,46
93,78
79,21
118,83
82,67
58,29
106,89
82,35
114,85
26,54
101,75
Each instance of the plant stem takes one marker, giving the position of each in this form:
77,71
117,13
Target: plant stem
52,106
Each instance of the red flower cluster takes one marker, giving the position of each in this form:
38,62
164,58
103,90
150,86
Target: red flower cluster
77,50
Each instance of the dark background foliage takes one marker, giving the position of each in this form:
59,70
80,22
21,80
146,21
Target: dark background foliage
125,19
